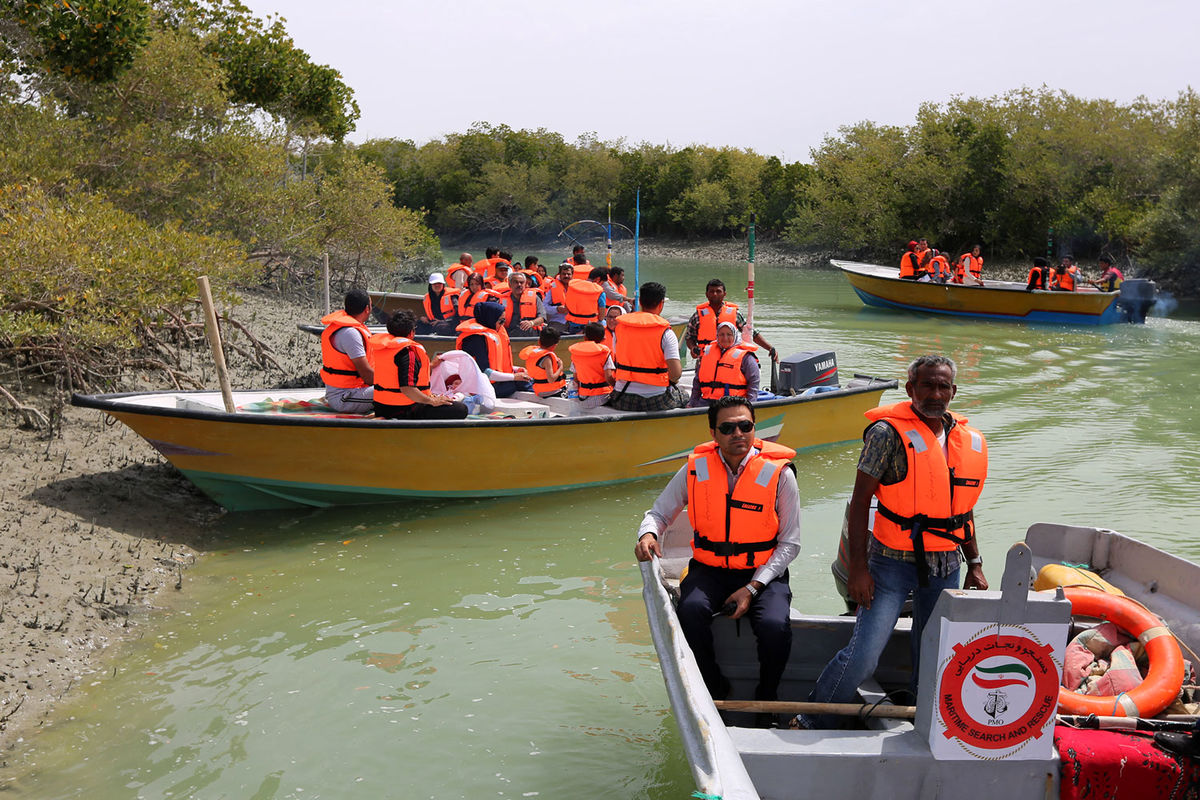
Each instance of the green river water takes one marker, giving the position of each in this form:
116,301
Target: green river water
498,649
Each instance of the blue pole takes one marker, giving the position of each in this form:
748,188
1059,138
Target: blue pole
637,230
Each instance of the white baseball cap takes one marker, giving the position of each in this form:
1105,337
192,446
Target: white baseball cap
437,278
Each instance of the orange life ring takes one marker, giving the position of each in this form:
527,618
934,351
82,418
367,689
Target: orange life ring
1162,683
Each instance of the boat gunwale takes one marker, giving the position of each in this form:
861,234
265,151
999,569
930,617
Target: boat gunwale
111,403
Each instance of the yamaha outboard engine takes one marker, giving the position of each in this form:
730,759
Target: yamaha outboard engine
1136,297
806,370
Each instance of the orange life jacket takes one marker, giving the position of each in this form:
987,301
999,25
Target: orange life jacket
706,331
968,263
456,276
720,374
909,264
487,267
1064,280
467,301
589,359
387,377
1041,282
555,293
448,304
620,287
939,267
499,349
583,304
639,355
931,509
738,529
541,378
527,306
610,338
337,370
581,270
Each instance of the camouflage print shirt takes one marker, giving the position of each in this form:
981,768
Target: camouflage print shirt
883,457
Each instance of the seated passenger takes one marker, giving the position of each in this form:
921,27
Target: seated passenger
524,312
502,271
592,362
910,263
972,263
938,267
727,367
486,340
544,366
614,290
346,363
612,318
402,376
1111,279
456,274
585,299
1039,275
555,296
441,308
474,294
647,357
1065,276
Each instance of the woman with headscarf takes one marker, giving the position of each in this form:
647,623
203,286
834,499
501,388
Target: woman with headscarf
485,340
726,367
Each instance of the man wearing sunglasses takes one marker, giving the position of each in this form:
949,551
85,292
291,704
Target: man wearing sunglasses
744,508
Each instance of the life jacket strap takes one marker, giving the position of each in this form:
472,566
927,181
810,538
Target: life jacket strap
332,371
942,527
731,549
653,370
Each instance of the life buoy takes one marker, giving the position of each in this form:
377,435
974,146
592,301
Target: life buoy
1162,683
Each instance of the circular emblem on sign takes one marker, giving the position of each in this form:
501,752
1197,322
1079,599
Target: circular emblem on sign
997,692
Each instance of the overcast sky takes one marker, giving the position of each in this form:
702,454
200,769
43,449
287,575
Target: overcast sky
769,75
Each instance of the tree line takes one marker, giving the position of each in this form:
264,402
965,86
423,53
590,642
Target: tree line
1032,172
143,143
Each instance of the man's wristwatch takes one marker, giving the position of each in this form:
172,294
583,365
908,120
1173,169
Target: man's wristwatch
753,592
976,561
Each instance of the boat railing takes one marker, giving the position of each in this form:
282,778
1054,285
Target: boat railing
716,765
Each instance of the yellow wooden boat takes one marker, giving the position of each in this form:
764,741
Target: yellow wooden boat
440,344
881,287
275,454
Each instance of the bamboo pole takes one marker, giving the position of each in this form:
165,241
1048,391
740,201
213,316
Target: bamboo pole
214,342
748,331
325,280
840,709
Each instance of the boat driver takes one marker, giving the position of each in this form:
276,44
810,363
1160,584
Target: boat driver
926,467
744,506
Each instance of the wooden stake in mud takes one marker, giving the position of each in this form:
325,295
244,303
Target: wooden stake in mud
214,341
325,280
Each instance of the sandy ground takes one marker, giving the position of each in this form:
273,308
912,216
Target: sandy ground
97,530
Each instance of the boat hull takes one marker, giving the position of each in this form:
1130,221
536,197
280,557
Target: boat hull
1001,300
249,461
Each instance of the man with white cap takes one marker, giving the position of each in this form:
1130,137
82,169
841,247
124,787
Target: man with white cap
441,305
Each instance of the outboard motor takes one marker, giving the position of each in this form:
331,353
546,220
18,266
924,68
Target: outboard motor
1136,297
811,368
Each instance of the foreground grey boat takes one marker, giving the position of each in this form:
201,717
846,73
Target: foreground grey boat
888,758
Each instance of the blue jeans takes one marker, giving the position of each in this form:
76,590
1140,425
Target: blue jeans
856,662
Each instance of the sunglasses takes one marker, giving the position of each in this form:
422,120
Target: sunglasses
743,425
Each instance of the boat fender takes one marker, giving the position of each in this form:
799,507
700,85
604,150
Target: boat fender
1162,683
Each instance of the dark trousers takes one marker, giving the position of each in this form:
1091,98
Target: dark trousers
703,592
455,410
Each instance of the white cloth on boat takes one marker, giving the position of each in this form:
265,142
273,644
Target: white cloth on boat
474,382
